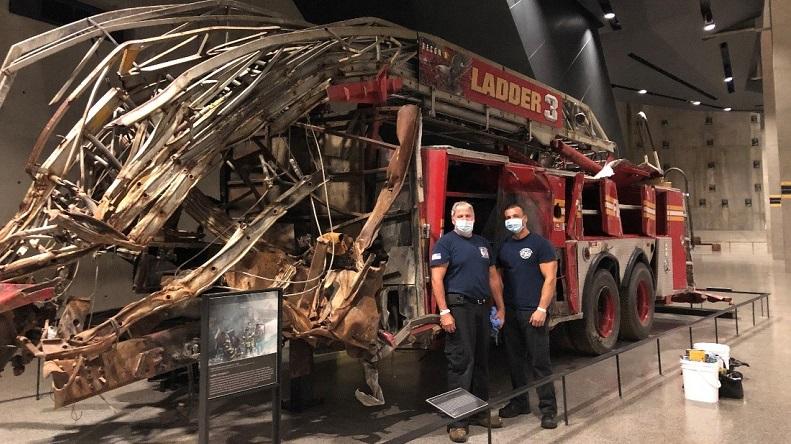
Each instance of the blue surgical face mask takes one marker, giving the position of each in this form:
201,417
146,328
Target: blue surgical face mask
464,226
514,225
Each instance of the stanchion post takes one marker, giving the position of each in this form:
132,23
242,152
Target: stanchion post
716,331
489,426
762,306
618,371
659,356
190,387
753,304
565,404
767,307
690,336
736,317
38,380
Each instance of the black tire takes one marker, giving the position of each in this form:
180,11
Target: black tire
597,332
637,304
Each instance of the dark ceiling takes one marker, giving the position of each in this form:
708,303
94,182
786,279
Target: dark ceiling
669,35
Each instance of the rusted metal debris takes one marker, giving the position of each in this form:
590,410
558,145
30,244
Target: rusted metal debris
162,113
308,186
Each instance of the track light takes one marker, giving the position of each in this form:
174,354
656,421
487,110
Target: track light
695,102
708,17
606,8
642,91
727,109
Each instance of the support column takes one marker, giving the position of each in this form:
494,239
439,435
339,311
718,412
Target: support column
770,160
780,22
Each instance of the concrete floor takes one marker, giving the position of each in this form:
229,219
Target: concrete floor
653,408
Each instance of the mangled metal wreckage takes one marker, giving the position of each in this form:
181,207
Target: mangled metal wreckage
306,189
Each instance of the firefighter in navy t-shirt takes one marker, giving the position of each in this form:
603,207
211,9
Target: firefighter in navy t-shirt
463,281
528,265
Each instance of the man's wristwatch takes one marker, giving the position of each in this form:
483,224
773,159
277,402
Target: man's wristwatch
444,312
542,310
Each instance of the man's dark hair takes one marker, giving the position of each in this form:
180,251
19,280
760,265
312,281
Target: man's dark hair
513,205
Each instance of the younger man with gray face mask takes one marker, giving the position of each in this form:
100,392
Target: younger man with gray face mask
529,266
463,280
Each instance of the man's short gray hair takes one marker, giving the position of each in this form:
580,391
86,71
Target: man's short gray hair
461,204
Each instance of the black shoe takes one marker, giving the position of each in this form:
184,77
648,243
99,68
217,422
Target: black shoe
512,410
548,422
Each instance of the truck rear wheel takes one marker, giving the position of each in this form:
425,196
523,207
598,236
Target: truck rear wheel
637,306
597,332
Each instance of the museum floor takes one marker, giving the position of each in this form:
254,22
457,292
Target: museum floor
653,408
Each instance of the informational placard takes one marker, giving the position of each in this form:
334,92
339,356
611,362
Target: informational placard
243,333
457,402
240,349
458,73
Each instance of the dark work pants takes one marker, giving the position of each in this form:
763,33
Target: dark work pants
528,358
467,351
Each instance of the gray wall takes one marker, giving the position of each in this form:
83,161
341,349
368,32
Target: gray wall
731,152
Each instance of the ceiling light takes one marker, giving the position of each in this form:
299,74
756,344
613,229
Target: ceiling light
727,109
708,17
695,102
728,79
642,91
606,8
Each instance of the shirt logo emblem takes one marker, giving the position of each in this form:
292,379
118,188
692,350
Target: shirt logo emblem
484,252
525,253
436,256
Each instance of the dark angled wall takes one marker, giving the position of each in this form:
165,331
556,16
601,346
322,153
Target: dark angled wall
553,41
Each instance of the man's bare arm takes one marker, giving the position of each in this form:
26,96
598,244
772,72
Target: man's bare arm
549,270
496,284
438,290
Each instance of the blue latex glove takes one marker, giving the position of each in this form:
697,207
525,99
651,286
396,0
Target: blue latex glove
496,324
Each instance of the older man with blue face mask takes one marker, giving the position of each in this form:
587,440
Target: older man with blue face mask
463,281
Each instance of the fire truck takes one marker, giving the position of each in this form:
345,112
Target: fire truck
620,230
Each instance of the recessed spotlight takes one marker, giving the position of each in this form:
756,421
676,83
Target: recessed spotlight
727,109
709,26
609,15
642,91
695,102
728,79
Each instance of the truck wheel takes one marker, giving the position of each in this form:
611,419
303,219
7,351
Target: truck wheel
637,306
597,332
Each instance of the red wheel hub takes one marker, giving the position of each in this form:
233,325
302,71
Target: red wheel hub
605,315
643,302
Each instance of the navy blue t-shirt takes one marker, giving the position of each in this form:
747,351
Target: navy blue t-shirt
468,262
518,259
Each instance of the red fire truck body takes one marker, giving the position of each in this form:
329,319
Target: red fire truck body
632,232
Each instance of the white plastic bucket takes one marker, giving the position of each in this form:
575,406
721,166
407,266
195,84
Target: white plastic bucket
701,381
722,350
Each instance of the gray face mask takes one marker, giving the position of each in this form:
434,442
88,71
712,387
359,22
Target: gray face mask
464,226
514,225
